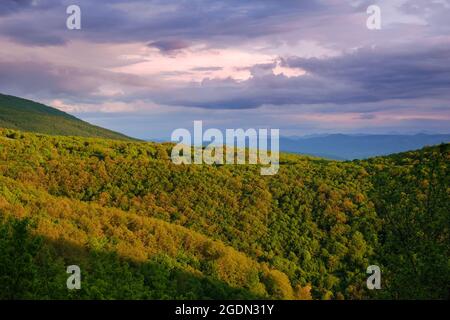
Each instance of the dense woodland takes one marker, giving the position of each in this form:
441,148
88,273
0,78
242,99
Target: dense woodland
141,227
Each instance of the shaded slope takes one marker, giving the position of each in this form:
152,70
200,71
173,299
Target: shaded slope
34,267
69,224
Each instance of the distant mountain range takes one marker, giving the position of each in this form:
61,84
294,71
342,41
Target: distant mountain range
22,114
26,115
348,147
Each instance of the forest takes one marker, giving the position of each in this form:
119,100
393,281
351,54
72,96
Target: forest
141,227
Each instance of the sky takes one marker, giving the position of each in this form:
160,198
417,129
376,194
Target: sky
146,68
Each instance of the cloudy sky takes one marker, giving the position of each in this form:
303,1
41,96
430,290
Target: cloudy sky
146,68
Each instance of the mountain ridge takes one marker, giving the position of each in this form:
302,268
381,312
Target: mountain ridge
350,147
26,115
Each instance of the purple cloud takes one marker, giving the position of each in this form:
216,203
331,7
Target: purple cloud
350,71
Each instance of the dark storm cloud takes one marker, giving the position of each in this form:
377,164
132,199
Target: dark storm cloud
367,116
160,21
33,22
361,77
47,81
31,34
11,6
43,79
167,46
387,74
214,22
207,69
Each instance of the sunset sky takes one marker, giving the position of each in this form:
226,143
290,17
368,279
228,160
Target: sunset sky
145,68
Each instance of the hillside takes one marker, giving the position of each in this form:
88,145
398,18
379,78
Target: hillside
122,210
26,115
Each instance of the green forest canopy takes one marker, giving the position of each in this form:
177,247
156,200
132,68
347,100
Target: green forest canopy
141,227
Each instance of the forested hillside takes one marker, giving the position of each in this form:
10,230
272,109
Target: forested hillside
22,114
142,227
